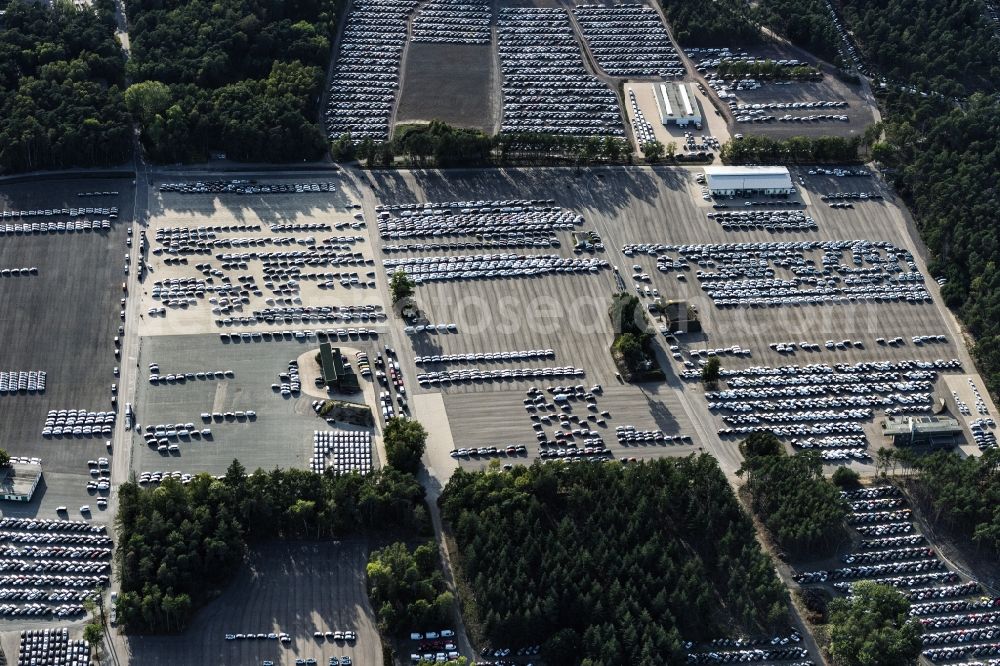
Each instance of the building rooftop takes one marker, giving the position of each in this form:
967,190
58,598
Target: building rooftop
925,425
19,478
747,177
676,100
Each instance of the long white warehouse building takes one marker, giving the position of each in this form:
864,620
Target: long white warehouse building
730,181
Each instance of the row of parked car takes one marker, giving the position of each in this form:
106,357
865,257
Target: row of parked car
158,477
629,434
490,266
19,272
776,220
761,117
455,376
25,228
342,451
486,357
641,127
110,211
748,655
241,186
304,335
546,87
298,227
365,75
629,40
508,240
51,647
491,219
453,22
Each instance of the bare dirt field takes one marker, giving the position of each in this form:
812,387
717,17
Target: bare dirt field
455,83
297,588
63,321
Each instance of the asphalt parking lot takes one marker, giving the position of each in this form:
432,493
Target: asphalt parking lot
280,436
63,321
568,313
499,418
171,210
297,588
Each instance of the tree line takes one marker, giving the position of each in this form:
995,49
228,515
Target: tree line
609,564
438,144
758,149
181,544
61,79
246,82
766,69
801,509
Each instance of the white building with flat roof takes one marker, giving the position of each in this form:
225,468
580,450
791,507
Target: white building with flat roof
677,104
731,181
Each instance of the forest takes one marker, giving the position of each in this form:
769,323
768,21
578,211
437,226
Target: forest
609,563
407,589
963,494
806,23
802,510
728,23
181,544
758,149
61,79
943,45
732,23
943,161
245,83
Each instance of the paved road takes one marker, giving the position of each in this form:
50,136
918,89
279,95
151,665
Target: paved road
121,450
432,484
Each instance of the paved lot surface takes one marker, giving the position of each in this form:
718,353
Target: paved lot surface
281,436
499,418
298,588
568,313
173,210
63,321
